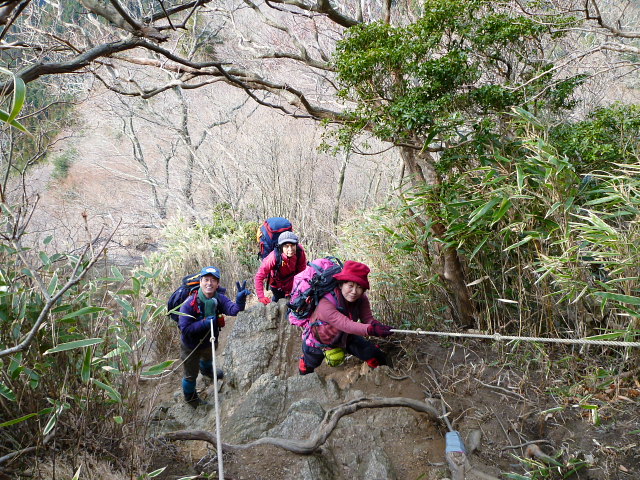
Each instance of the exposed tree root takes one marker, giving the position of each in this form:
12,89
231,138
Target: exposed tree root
327,425
534,451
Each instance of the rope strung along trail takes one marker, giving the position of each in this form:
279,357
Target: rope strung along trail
215,402
499,338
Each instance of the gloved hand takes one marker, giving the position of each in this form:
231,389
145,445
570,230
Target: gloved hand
265,300
379,330
242,288
221,322
243,292
210,320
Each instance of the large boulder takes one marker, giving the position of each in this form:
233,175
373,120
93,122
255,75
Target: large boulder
263,395
262,341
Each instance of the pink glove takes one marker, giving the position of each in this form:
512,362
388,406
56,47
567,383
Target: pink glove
265,300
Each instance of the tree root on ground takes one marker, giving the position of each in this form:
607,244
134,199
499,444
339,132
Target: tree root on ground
534,451
326,426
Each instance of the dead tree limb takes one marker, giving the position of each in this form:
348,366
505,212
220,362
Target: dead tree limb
327,425
24,451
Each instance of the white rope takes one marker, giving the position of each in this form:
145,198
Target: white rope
499,338
215,402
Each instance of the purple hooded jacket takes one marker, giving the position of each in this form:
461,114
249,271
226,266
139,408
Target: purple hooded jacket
194,329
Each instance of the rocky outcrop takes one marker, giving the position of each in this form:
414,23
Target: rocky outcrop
264,396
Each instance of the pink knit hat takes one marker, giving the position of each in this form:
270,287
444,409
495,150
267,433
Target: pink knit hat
354,272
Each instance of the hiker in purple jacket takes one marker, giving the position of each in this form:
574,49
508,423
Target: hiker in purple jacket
334,329
206,306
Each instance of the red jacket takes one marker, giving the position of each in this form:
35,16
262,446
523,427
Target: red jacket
283,278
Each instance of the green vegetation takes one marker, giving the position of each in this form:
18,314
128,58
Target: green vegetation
80,374
450,74
607,137
62,164
9,116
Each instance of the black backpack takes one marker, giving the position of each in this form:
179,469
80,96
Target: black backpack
189,284
309,286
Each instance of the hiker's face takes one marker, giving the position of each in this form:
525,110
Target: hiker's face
351,291
209,285
288,249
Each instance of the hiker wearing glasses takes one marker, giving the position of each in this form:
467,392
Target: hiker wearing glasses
333,329
206,306
279,267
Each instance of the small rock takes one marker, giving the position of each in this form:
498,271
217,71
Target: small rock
473,440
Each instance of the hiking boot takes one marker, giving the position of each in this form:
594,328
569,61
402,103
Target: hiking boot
208,379
302,367
193,400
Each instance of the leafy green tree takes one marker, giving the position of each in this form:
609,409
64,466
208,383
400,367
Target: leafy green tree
607,137
555,249
438,88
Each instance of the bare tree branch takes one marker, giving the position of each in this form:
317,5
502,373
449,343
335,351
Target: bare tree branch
323,7
5,12
176,9
597,16
24,451
119,17
74,279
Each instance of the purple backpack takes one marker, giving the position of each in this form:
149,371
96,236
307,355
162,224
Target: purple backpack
309,286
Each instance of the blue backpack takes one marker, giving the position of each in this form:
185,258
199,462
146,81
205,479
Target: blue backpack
269,232
189,284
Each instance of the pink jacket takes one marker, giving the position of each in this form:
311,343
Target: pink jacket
328,326
283,278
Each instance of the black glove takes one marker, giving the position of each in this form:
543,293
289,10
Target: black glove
241,297
379,330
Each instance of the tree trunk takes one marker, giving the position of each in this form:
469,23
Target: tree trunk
159,205
421,168
336,211
187,188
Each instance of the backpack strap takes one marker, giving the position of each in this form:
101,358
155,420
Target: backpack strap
278,255
333,298
316,344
